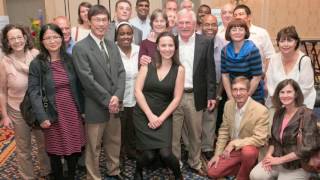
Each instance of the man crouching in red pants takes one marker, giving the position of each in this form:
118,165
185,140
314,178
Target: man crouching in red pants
244,129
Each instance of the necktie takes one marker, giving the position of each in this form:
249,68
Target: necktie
105,55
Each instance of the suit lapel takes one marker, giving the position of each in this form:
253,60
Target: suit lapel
112,61
99,57
197,54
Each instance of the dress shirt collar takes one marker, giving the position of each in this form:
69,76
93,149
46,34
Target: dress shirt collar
243,108
191,39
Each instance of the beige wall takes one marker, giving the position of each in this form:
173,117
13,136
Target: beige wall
275,14
270,14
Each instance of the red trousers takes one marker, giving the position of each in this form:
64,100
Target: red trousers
239,164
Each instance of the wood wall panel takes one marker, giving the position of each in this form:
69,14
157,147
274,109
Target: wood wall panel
276,14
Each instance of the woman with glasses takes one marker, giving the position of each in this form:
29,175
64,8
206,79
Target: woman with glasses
61,119
241,58
18,50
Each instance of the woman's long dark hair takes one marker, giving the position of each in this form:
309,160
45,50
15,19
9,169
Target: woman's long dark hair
175,57
44,53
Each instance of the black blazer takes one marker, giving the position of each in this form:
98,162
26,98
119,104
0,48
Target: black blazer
38,66
204,73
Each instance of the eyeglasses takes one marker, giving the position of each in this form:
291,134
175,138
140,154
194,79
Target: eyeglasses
52,38
240,90
104,20
18,38
239,29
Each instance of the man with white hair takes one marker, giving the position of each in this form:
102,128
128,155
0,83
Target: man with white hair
196,55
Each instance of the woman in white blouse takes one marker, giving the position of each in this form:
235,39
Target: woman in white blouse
129,54
291,63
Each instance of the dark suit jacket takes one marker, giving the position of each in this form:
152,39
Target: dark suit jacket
98,83
204,74
111,33
37,66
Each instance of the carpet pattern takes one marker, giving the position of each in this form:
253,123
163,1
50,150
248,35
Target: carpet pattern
7,144
9,168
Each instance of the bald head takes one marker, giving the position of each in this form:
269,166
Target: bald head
63,23
209,26
227,13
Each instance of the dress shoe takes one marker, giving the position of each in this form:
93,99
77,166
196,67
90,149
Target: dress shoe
199,172
208,155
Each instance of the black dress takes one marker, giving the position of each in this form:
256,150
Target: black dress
158,95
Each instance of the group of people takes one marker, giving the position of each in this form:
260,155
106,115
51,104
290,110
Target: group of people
138,87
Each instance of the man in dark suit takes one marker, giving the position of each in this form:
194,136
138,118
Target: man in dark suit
123,12
196,55
101,72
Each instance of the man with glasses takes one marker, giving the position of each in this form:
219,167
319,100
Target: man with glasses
102,75
122,14
243,131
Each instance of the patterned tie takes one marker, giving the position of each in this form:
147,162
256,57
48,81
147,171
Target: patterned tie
105,55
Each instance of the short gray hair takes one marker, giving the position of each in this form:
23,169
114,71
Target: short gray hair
184,11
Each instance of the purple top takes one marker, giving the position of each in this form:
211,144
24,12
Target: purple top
148,48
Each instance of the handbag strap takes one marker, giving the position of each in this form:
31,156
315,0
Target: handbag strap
301,125
300,61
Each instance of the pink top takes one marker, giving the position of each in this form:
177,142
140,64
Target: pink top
16,77
284,125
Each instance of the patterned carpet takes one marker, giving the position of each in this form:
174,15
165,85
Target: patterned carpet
9,170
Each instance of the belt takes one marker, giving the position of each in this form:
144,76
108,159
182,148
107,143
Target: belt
188,90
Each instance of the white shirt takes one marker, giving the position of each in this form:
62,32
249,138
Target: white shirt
238,118
262,40
144,26
82,33
218,46
97,40
222,34
186,55
131,68
304,77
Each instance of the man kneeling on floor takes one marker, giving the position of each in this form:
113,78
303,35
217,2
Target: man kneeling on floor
244,129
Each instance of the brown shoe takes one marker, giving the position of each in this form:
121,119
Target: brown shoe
199,172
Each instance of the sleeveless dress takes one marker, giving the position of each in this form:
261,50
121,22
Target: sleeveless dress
159,95
66,136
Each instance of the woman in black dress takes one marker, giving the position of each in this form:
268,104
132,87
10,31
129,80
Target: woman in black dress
158,91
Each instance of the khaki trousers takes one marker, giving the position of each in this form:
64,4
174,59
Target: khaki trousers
208,130
109,134
186,113
209,120
23,135
278,172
